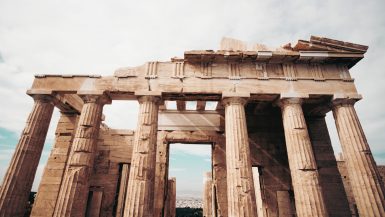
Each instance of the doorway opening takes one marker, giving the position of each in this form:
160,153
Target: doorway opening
189,164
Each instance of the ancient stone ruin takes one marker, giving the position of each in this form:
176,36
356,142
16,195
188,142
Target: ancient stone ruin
271,151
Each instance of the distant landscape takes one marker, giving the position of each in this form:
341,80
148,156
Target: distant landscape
188,201
186,206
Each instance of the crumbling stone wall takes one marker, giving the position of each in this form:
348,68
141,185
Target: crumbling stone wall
114,148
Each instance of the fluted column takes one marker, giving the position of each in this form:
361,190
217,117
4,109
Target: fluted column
362,169
240,186
304,172
72,199
140,189
48,191
21,172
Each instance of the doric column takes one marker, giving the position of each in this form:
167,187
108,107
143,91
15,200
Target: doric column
362,169
21,172
304,172
48,190
140,189
240,186
72,199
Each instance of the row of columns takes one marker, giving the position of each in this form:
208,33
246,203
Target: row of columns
73,194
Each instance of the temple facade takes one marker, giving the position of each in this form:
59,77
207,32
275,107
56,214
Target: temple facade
271,151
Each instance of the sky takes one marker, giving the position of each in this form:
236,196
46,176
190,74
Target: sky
188,163
97,37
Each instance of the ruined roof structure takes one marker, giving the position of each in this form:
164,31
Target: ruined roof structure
271,150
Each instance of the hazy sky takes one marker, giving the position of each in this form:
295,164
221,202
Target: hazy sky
97,37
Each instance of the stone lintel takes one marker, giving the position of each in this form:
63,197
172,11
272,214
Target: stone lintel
179,136
90,92
353,96
226,94
294,95
147,93
33,92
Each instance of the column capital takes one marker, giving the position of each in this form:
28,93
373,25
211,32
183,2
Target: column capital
291,99
41,95
234,100
149,96
43,98
342,102
344,99
282,102
99,97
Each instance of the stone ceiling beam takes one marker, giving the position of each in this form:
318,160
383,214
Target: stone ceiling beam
69,103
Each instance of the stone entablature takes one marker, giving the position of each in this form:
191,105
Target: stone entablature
318,67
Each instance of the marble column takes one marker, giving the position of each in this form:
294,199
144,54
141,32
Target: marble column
308,196
21,172
240,186
48,191
362,169
73,195
140,189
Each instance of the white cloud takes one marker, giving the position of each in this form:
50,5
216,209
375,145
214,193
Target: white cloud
191,149
38,176
122,114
